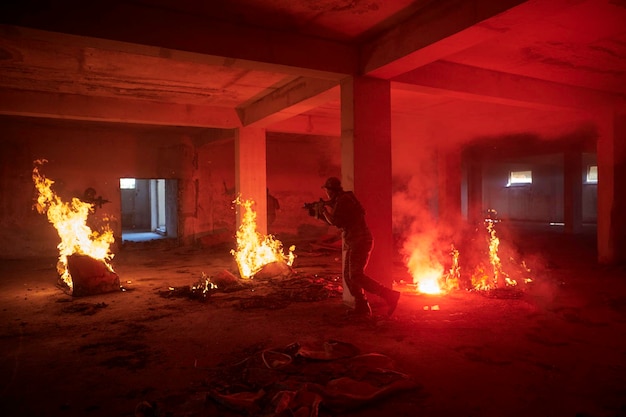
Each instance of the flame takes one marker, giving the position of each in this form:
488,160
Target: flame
428,275
453,276
494,258
70,221
425,273
254,250
426,268
481,280
424,263
429,284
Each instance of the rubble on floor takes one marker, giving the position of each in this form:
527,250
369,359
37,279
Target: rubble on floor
270,290
307,380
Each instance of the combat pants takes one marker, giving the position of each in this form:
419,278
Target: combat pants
357,254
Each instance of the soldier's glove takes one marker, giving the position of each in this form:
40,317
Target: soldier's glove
319,210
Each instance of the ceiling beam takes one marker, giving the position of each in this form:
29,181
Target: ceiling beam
107,109
448,26
176,31
309,124
438,30
65,40
462,81
298,96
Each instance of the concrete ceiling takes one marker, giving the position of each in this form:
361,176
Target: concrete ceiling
497,66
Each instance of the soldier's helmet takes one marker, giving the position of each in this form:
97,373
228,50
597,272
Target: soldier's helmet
332,183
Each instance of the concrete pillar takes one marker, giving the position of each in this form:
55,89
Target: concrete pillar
250,172
366,164
611,232
573,191
473,164
449,178
618,210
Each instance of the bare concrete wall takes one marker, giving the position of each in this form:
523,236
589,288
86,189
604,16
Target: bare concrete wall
297,166
136,207
82,155
216,189
541,201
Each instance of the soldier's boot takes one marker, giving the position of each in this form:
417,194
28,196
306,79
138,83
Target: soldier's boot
391,297
362,307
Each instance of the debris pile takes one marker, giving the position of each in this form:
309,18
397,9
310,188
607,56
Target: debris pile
303,380
89,276
272,291
200,290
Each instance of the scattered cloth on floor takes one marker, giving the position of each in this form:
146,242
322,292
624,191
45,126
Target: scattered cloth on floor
301,379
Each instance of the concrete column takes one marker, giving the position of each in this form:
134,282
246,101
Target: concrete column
605,190
473,165
449,178
618,210
573,191
366,163
250,172
611,234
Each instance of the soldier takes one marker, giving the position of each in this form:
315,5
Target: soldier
345,212
272,207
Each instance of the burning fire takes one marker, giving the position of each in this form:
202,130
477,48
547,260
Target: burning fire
254,250
429,277
70,221
428,273
481,280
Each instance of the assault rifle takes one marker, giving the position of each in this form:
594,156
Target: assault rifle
315,207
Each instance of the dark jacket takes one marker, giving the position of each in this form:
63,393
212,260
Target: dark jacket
349,215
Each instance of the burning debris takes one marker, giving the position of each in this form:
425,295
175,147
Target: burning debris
269,292
90,276
478,266
495,279
87,251
278,294
427,271
200,290
255,251
275,282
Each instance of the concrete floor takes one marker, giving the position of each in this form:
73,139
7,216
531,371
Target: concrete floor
140,236
559,349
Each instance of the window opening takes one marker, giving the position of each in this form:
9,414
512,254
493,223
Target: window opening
127,183
592,174
520,178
